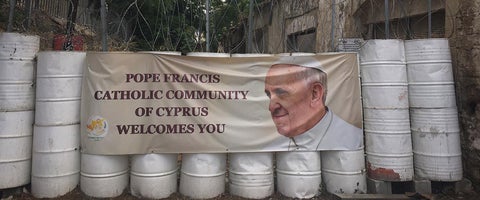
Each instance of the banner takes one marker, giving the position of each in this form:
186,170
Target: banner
137,103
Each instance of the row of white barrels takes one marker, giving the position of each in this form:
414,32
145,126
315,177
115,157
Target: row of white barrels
251,175
410,116
17,72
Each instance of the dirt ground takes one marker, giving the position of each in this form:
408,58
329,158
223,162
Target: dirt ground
22,193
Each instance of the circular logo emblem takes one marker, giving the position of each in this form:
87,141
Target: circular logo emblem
97,127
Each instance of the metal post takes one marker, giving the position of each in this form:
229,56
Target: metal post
250,28
103,15
72,16
28,13
429,19
10,15
207,25
387,29
333,25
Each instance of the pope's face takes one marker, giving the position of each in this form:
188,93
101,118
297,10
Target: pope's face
289,99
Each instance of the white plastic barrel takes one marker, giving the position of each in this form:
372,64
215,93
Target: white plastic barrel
436,144
56,155
55,160
18,46
251,175
388,144
154,176
433,112
103,176
430,76
299,174
385,107
17,53
17,91
344,172
384,75
203,175
15,148
59,85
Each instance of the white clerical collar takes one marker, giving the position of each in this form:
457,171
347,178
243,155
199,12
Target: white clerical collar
313,137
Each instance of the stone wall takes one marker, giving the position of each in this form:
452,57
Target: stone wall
463,30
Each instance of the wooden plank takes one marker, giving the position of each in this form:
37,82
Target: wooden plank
371,196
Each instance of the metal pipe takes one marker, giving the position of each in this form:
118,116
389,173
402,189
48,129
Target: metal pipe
207,24
429,19
333,25
387,14
10,16
250,28
103,16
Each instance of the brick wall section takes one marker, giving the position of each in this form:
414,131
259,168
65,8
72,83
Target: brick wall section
463,28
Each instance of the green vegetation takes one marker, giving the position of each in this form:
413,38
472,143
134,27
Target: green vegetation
174,25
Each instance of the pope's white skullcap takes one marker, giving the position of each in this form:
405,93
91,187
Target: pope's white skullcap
304,61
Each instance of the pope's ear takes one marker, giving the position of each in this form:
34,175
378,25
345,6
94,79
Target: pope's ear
317,93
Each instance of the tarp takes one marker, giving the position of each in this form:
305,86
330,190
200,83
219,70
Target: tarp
136,103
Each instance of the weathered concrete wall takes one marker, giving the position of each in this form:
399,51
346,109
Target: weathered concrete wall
276,30
374,11
293,16
463,28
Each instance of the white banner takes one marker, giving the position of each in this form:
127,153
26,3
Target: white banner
136,103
